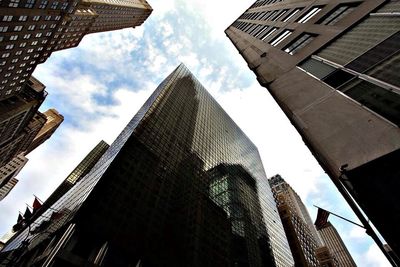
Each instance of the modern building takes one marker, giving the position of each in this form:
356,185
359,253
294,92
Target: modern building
335,245
332,66
8,174
303,238
53,121
181,181
31,30
76,175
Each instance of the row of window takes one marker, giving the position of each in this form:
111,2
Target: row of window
43,4
264,3
383,101
330,19
19,28
9,18
264,32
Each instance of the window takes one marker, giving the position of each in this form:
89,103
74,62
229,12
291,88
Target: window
299,43
38,35
291,14
18,28
36,18
29,50
64,6
5,55
54,5
43,4
10,46
282,36
43,26
13,3
22,18
378,99
31,27
34,43
13,37
268,33
337,14
29,3
18,53
338,78
47,18
309,14
280,14
261,32
26,36
7,18
3,28
22,44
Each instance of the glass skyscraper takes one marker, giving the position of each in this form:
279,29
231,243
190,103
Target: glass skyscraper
182,185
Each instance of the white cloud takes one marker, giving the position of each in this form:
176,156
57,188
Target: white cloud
373,257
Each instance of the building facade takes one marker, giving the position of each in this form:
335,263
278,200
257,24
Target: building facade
8,174
21,121
335,245
31,30
303,238
53,121
181,181
332,66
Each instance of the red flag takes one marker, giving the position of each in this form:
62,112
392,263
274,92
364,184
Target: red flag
322,218
36,205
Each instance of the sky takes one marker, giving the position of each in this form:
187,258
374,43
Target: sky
102,83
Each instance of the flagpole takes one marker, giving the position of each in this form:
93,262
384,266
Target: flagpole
38,198
343,218
345,193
